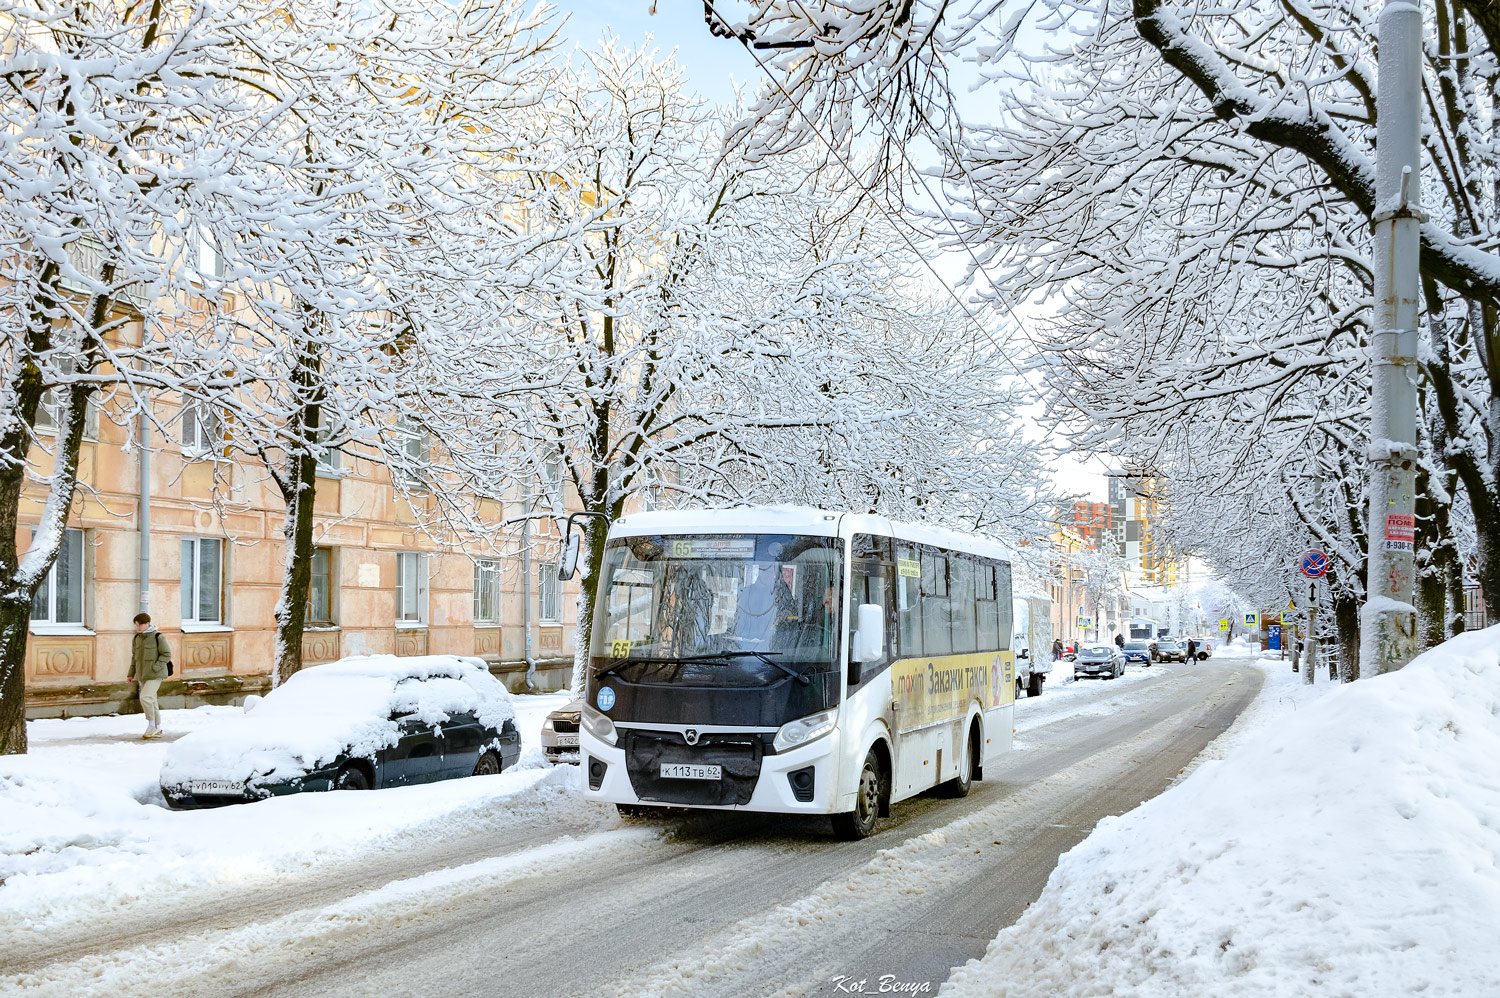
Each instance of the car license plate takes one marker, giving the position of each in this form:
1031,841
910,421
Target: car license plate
567,741
215,787
690,771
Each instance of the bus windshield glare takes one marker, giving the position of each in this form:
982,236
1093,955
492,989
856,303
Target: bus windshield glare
718,609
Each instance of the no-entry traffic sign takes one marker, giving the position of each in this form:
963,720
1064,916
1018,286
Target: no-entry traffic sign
1314,564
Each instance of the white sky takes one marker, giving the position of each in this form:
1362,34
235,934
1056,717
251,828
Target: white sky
714,67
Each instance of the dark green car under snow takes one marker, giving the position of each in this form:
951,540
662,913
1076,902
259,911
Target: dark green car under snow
357,724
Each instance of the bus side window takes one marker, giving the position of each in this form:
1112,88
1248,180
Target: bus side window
962,570
1003,598
871,580
937,632
908,605
989,608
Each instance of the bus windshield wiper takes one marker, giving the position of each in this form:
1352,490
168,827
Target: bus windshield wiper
764,656
614,664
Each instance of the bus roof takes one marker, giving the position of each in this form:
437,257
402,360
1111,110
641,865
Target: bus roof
806,520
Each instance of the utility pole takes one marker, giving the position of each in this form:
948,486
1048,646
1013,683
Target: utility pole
1388,631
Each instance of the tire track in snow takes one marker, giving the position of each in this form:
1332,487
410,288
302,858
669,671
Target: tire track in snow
200,961
840,915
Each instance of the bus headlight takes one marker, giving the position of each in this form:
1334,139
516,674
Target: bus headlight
803,730
598,725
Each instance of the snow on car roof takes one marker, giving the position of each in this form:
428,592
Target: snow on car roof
386,665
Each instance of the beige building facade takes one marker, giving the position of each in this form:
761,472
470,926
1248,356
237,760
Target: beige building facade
381,583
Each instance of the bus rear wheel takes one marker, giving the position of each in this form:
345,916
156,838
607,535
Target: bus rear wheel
860,822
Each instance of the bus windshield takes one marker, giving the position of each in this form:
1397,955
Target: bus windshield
718,609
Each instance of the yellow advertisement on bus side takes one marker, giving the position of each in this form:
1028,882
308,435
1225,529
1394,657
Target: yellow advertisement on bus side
929,690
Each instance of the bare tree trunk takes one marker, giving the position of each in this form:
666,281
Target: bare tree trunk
1346,622
1429,594
1453,577
21,575
298,482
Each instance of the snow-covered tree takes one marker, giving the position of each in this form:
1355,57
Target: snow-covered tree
713,330
118,124
342,302
1192,186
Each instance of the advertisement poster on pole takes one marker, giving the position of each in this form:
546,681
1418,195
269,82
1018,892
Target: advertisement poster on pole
1400,531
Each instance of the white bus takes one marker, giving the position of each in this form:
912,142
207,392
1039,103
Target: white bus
795,660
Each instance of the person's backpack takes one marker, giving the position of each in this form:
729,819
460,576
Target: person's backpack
162,646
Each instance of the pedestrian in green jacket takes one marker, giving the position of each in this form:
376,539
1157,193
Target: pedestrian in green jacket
150,663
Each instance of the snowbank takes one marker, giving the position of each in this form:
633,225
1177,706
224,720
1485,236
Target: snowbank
1350,848
83,825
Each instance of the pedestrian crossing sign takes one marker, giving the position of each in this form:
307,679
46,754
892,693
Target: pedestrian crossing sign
1252,620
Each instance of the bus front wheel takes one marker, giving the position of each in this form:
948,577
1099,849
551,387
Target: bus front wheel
860,822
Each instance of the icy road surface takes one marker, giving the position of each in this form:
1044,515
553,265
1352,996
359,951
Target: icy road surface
550,895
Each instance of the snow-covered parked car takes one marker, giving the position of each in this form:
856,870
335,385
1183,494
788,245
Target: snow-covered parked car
356,724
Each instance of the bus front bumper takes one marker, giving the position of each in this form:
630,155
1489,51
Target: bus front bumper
606,779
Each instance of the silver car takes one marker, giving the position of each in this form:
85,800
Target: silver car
560,732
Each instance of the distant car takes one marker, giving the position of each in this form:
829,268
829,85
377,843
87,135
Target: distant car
1099,660
1137,651
356,724
1171,650
560,732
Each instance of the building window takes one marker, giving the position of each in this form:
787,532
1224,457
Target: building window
550,603
202,580
60,598
327,456
202,429
50,408
321,590
486,592
208,261
414,454
411,588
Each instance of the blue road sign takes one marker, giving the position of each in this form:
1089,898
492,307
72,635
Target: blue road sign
1314,564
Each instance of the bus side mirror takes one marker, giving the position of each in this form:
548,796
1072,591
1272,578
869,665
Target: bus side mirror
568,566
869,638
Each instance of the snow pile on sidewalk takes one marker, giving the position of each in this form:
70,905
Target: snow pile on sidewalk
83,826
1353,848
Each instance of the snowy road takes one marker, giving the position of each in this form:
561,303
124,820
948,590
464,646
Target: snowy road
559,897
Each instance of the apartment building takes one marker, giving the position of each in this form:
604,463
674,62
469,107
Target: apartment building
1136,501
380,583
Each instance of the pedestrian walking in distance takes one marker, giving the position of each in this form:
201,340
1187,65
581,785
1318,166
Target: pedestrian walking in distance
1119,640
150,663
1192,655
1057,649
